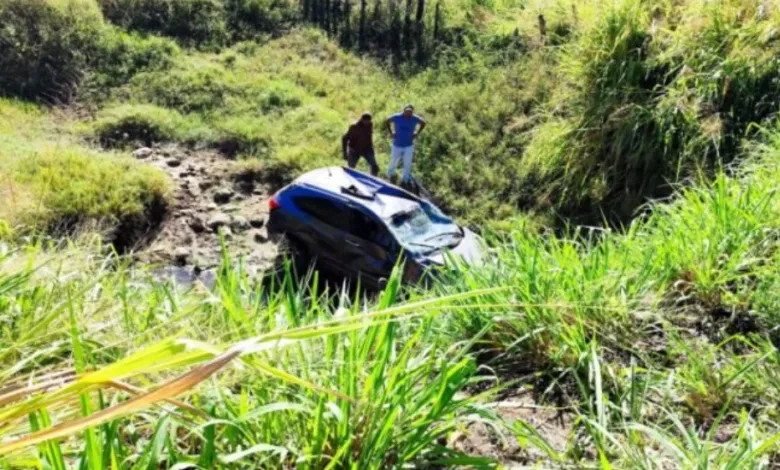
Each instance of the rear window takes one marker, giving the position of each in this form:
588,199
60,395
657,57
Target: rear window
326,210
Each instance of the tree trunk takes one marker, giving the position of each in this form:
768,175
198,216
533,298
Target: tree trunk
408,43
437,22
362,34
335,18
326,16
395,32
346,32
420,31
378,29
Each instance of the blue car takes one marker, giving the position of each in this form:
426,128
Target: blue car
357,226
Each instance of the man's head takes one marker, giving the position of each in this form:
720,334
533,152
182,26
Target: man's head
365,119
408,110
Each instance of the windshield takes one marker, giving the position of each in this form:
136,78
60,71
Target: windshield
425,229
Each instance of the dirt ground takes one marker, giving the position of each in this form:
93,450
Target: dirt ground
207,201
502,445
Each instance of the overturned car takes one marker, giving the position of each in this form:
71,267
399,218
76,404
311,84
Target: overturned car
357,226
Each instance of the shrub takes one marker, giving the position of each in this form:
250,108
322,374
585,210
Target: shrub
193,22
188,90
249,18
50,183
121,55
72,186
45,46
241,136
145,124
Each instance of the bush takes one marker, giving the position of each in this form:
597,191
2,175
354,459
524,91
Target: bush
73,185
121,55
49,183
193,22
144,124
249,18
189,90
45,46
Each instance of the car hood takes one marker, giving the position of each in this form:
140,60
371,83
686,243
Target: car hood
470,250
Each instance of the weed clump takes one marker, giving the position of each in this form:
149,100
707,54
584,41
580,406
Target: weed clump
45,46
132,124
193,22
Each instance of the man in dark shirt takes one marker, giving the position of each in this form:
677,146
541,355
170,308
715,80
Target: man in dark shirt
359,142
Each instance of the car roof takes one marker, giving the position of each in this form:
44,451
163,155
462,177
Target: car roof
372,193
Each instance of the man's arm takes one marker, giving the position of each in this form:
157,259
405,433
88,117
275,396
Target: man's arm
422,124
388,127
345,141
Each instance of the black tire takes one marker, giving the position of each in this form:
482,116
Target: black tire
295,251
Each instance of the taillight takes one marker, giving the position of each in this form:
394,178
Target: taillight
273,203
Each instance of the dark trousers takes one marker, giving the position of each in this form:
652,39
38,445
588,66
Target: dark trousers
353,157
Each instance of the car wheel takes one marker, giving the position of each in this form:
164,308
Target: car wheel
295,251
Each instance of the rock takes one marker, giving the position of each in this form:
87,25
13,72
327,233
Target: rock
256,221
231,208
239,223
211,206
197,225
173,162
223,195
218,221
226,232
143,152
258,192
260,238
181,256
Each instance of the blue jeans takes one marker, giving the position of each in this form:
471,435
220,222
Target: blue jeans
397,154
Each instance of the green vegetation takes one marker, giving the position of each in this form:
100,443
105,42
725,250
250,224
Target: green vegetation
653,329
51,184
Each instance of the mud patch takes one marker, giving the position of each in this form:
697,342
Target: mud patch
209,205
520,416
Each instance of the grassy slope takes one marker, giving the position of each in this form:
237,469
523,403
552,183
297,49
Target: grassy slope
51,181
660,338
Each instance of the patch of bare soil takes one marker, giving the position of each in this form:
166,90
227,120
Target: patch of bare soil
207,201
503,445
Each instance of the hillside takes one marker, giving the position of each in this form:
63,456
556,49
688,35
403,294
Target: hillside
621,159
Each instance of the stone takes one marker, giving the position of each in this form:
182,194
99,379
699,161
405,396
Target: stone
223,195
180,256
218,221
143,152
226,232
260,238
211,206
197,225
206,184
257,221
239,223
173,162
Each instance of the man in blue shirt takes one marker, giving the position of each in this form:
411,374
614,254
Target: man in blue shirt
405,134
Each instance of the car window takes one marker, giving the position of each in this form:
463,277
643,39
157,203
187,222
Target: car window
367,228
326,210
424,229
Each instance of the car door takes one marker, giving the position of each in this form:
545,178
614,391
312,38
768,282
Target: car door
323,234
369,248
